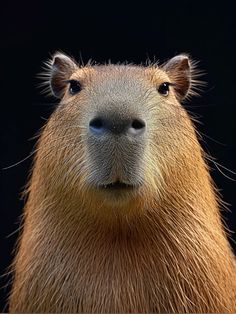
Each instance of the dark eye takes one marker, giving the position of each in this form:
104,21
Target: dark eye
74,87
163,89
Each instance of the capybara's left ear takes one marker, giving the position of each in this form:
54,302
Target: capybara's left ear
179,71
57,72
62,67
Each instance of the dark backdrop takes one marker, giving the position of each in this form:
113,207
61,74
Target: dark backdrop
116,31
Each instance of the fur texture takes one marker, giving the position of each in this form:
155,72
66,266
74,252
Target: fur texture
160,248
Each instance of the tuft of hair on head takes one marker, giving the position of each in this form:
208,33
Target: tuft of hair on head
56,70
184,74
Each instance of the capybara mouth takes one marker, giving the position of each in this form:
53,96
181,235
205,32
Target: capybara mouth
117,186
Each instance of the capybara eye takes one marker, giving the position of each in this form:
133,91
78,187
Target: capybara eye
74,87
163,89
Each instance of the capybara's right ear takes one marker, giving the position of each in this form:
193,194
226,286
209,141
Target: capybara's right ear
61,69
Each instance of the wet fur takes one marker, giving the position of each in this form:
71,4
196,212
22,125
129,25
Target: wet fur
162,250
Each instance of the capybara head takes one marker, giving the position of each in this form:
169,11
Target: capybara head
119,132
121,215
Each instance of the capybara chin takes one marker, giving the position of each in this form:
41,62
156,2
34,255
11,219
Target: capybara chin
121,214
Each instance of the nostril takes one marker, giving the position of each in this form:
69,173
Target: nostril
96,124
138,124
137,127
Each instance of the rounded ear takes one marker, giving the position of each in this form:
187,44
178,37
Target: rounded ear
61,68
180,70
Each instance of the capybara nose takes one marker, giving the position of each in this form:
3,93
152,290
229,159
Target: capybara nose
116,125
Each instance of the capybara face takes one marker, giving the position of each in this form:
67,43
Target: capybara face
119,129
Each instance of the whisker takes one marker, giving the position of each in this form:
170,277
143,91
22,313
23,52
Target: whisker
15,231
19,162
218,166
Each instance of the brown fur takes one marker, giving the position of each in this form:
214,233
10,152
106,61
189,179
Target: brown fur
161,249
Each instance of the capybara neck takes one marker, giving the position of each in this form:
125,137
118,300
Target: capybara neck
171,258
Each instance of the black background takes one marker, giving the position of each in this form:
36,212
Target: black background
116,31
